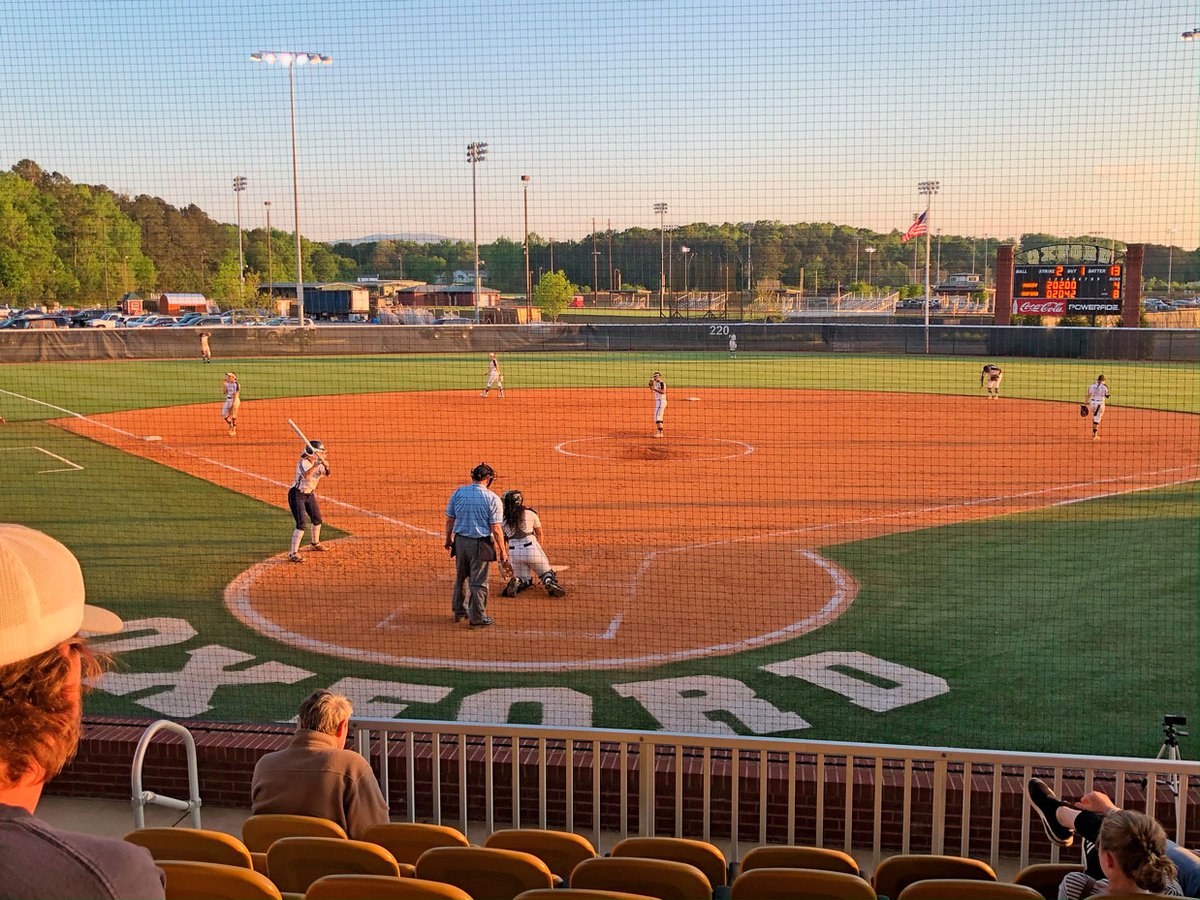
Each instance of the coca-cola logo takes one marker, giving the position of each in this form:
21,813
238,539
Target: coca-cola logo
1041,307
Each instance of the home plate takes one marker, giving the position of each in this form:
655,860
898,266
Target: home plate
152,437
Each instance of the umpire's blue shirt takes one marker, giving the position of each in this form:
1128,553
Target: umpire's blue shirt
474,510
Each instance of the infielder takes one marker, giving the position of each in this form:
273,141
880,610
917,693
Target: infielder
1097,397
302,497
732,346
523,530
494,377
233,401
658,390
993,375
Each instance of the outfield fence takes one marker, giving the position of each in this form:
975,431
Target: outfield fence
1165,345
755,790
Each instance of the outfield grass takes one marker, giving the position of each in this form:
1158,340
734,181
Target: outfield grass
96,387
1070,629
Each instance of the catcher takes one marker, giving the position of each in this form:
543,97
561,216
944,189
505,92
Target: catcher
302,497
523,531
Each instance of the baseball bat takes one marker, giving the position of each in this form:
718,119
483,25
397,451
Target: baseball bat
296,428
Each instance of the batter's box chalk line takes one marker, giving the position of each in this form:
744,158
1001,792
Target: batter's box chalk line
68,466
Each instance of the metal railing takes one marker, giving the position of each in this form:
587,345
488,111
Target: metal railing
140,799
751,790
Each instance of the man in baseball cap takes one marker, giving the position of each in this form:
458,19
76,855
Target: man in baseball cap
43,661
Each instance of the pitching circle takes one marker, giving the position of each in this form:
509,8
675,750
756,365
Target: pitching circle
644,447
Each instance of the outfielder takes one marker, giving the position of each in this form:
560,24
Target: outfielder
523,530
658,389
233,401
1097,398
732,346
494,377
302,497
993,375
205,350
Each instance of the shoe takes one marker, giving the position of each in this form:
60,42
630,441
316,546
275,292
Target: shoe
554,589
1045,804
295,557
459,617
523,584
233,431
319,547
510,589
484,622
658,434
483,393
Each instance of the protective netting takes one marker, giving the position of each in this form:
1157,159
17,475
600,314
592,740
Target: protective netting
846,529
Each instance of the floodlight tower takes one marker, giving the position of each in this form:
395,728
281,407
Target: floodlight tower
476,153
661,209
927,189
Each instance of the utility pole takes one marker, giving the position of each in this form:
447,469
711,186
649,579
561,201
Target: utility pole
270,261
610,258
476,153
595,264
239,185
661,209
525,179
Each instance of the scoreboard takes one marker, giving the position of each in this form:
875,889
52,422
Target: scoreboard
1068,289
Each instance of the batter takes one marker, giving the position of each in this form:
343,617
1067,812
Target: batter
302,498
1097,398
233,401
494,377
658,389
523,531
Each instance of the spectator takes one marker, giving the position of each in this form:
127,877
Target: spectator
316,775
1124,852
43,663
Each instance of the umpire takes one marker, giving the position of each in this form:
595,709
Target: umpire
475,540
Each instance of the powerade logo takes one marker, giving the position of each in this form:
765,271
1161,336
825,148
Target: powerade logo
1079,307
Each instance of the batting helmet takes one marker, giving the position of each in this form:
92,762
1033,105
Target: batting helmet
314,447
482,471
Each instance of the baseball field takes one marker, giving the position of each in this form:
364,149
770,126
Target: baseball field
831,546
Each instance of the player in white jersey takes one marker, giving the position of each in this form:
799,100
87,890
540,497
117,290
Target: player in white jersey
1097,398
494,377
993,375
732,346
658,390
523,531
302,497
233,401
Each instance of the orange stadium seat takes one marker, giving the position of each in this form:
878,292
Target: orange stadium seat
408,840
194,844
579,894
799,884
701,854
485,872
966,889
189,880
661,878
260,832
1045,877
381,887
561,851
296,862
896,873
800,858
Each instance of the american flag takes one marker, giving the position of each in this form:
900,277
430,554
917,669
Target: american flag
916,229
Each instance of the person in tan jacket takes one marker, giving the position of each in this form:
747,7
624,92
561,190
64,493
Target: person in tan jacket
316,775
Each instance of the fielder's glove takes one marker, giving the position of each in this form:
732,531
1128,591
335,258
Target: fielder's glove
1083,410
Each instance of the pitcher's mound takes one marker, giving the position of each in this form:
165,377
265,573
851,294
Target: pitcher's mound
630,446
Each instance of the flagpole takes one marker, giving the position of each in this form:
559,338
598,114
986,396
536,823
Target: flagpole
928,188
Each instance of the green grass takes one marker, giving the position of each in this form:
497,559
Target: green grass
1070,629
97,387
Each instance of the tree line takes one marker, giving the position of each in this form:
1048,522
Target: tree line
79,244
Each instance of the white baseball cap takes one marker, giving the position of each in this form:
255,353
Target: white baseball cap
41,596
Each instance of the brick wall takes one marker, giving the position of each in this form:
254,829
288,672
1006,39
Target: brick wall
227,754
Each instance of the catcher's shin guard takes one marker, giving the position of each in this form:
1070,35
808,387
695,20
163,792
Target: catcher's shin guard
550,583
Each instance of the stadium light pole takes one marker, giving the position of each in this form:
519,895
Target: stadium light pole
1193,35
290,60
927,189
857,239
476,153
870,251
239,185
270,261
661,209
525,179
687,258
1170,264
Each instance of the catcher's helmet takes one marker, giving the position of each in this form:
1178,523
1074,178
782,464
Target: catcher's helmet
314,447
516,498
482,471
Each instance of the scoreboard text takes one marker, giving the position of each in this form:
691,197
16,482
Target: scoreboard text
1067,289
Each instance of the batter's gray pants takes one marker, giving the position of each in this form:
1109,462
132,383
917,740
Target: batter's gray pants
470,571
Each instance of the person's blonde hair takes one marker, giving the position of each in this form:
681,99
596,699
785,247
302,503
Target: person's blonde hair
1138,844
324,711
40,712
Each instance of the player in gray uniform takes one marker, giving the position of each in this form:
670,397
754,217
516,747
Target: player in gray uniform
993,375
1097,399
302,498
658,389
495,378
523,530
233,402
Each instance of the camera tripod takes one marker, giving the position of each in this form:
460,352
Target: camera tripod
1170,750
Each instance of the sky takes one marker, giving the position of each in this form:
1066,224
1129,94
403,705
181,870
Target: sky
1060,116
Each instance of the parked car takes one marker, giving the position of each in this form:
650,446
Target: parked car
108,320
84,317
41,322
1154,304
452,320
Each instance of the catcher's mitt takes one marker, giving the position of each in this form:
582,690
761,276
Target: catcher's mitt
1083,410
